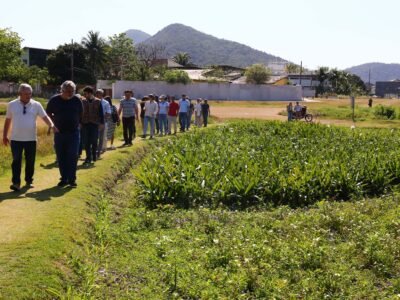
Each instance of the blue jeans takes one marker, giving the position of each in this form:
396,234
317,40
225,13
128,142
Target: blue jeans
17,148
183,117
67,147
162,119
290,116
146,122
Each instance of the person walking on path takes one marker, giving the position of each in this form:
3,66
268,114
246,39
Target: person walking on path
289,109
150,112
190,114
66,110
130,111
205,111
172,115
21,116
163,106
184,106
92,124
197,113
112,123
102,139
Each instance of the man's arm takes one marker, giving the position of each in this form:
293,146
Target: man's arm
7,124
101,112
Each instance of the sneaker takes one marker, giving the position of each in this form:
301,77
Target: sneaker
15,187
125,144
151,137
29,185
73,184
62,183
130,144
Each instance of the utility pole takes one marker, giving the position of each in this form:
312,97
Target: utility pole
301,70
72,60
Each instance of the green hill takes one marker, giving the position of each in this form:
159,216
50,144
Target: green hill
379,71
205,49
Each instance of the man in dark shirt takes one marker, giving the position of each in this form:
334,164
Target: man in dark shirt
92,123
66,111
205,111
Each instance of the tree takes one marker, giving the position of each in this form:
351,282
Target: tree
292,68
146,54
177,76
122,58
96,51
323,75
10,53
59,64
182,58
257,74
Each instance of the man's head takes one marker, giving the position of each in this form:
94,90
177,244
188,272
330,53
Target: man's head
151,97
183,96
99,94
162,98
25,92
68,89
88,92
128,94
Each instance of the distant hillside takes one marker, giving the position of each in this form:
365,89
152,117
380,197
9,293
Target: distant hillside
379,71
137,36
205,49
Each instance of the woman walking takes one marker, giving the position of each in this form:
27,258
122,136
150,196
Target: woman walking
112,122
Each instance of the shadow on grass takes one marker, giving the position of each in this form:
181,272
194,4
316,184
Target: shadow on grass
43,195
49,166
48,194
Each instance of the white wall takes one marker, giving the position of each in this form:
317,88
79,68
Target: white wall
213,91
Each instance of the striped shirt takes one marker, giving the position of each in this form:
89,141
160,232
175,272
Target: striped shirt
128,107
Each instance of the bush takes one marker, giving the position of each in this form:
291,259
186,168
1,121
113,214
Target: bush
385,112
257,74
177,76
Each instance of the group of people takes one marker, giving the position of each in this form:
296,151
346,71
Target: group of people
163,113
294,112
87,122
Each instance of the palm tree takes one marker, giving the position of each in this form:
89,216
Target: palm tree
182,58
323,75
96,48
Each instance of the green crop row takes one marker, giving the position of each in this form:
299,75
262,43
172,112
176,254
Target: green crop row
248,164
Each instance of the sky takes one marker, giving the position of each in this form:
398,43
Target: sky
338,33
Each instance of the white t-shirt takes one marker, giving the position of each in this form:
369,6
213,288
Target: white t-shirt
150,109
24,125
197,109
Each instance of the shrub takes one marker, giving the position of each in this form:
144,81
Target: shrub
385,112
177,76
257,74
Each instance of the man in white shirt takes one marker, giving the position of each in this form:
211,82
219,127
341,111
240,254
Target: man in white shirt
150,112
102,146
21,116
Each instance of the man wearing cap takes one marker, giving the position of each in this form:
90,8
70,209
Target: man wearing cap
21,116
150,112
162,115
130,111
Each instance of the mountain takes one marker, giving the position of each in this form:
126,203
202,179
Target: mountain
205,49
379,71
137,36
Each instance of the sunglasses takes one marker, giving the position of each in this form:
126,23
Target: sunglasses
24,112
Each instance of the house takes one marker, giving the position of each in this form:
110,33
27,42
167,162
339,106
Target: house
166,62
35,56
388,89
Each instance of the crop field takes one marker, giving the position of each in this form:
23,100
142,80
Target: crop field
258,163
